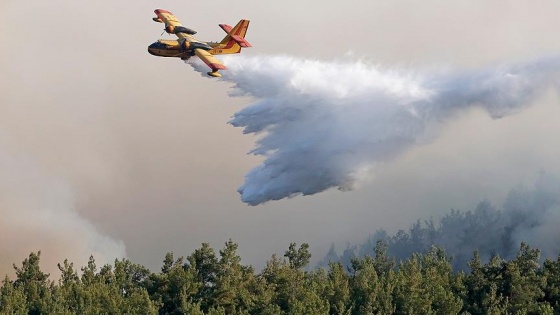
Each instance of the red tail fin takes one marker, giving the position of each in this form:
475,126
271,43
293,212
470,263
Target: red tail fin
234,40
236,33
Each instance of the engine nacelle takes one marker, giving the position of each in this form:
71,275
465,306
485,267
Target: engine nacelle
182,29
195,45
169,29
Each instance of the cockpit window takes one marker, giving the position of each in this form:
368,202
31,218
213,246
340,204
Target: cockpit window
158,45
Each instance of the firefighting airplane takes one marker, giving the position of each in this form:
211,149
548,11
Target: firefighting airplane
187,46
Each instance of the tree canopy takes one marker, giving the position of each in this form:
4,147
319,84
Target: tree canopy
207,282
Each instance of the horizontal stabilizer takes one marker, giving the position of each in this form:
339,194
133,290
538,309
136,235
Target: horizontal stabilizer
241,41
237,33
226,28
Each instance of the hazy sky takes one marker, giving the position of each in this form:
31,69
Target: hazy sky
108,150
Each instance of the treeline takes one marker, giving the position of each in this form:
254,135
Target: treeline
485,229
210,283
526,214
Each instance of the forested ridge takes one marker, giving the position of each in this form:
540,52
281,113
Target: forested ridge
527,214
206,282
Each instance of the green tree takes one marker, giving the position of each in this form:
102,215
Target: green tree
410,297
373,282
298,258
203,264
477,286
521,283
338,290
425,285
13,300
34,282
551,288
233,288
296,291
129,284
439,282
174,289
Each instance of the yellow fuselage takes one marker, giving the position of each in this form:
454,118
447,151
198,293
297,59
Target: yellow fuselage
172,48
187,46
168,48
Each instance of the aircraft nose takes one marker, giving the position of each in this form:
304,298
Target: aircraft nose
152,48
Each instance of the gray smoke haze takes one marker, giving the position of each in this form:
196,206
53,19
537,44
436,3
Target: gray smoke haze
532,215
39,212
139,147
528,214
328,124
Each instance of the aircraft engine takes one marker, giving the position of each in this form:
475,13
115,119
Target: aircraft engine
199,45
182,29
184,44
169,29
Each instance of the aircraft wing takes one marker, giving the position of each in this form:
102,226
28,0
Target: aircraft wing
210,60
188,42
173,26
166,17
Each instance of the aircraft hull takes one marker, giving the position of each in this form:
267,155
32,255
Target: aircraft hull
164,49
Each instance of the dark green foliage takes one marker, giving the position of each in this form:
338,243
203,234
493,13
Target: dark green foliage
207,283
298,258
12,299
174,288
35,284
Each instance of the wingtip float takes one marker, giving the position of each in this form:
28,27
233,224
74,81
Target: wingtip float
186,46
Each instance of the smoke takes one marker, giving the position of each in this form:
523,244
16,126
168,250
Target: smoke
38,213
327,124
533,214
529,214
